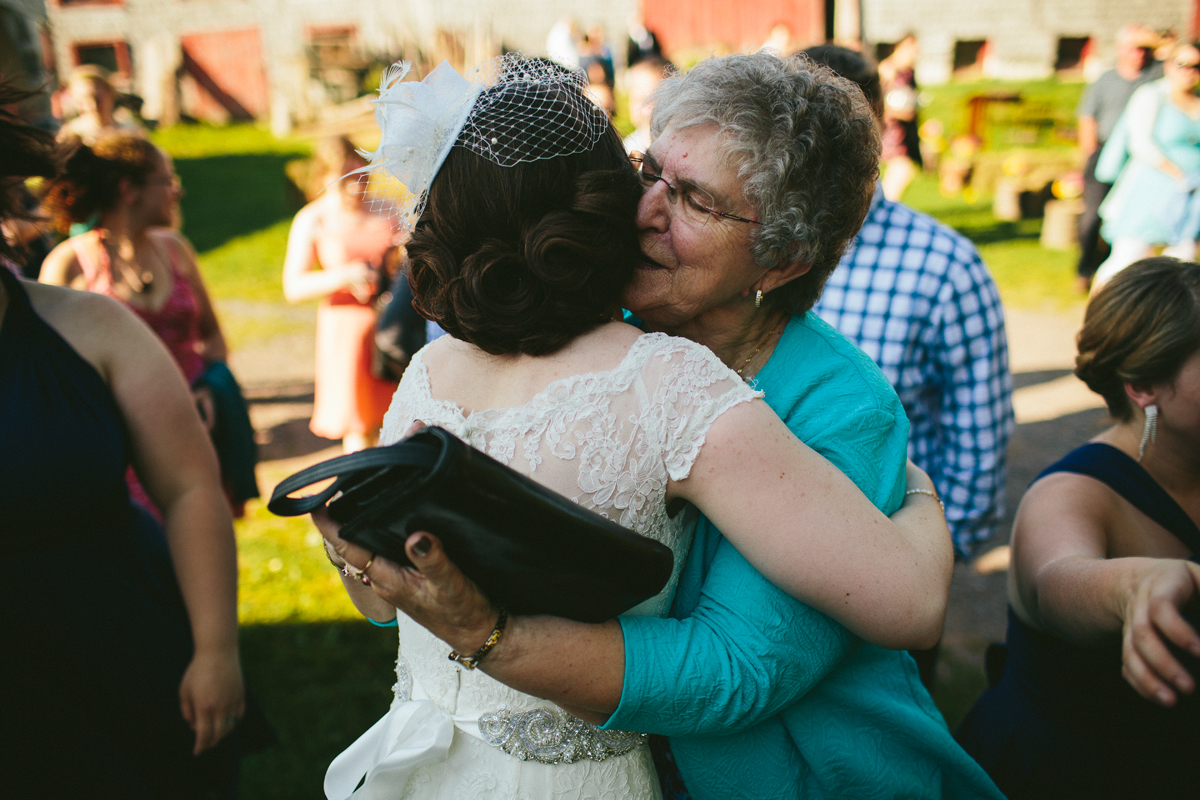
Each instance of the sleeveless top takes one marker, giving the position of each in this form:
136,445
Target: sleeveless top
177,323
1069,704
95,631
1082,687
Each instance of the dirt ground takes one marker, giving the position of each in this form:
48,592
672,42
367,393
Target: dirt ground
1055,413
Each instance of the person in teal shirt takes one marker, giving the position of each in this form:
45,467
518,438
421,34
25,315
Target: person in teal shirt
761,695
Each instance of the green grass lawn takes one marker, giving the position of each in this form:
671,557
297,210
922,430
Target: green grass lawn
322,673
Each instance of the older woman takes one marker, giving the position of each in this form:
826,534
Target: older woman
760,172
1104,550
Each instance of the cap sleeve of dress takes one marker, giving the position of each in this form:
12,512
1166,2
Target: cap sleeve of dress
688,388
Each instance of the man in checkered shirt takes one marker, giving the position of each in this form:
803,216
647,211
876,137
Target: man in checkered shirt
915,296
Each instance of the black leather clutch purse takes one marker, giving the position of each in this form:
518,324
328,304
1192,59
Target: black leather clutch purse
529,549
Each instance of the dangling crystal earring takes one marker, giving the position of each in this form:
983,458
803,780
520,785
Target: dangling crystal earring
1149,430
758,299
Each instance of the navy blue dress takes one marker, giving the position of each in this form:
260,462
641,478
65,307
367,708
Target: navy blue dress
94,635
1062,722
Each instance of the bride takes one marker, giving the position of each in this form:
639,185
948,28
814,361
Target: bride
524,242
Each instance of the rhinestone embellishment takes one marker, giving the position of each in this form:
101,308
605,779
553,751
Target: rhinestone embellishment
402,689
553,737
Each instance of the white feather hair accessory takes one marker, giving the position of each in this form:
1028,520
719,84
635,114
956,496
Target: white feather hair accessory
510,110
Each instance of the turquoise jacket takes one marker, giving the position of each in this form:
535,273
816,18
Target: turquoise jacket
762,696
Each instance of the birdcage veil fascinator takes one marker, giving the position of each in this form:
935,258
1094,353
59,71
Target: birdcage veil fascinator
510,110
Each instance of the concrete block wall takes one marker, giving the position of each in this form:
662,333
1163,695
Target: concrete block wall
1022,35
152,29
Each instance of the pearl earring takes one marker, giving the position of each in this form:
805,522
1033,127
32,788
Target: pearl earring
1149,430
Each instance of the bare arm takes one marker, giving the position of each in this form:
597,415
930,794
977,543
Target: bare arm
176,463
301,279
1064,583
579,666
61,267
811,532
1088,135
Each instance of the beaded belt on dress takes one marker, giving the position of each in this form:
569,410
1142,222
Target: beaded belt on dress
550,736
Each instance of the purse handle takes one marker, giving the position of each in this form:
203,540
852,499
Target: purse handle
402,454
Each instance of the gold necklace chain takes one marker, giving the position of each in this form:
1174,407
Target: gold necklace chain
141,282
757,350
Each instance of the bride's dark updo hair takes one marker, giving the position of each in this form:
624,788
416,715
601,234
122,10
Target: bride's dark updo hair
524,259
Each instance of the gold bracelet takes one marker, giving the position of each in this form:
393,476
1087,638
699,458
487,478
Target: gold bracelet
471,662
930,493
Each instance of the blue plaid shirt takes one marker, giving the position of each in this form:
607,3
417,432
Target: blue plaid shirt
916,297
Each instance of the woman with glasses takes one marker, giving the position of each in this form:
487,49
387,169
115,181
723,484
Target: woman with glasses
135,255
760,172
1155,199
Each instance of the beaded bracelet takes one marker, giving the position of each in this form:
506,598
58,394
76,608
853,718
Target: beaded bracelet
471,662
930,493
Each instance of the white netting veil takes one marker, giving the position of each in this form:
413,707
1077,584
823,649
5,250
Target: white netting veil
510,110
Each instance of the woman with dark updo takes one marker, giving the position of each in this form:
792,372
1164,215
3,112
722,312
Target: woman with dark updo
1097,697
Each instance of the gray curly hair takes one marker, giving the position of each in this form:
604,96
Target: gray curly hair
806,147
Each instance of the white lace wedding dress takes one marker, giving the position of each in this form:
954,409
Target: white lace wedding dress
609,441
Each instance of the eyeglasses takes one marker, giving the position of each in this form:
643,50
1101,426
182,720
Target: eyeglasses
696,206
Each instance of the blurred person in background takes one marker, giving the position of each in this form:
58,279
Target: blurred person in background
640,42
596,57
1098,112
917,298
335,253
901,142
641,79
94,98
1149,202
134,255
1097,695
121,674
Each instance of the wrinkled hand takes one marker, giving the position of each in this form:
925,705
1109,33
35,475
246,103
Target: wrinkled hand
434,592
1152,615
212,697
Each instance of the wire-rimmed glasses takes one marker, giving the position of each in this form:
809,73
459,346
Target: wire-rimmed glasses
695,205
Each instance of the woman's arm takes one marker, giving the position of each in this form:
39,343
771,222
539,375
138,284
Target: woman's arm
1063,583
212,346
176,463
772,648
61,267
301,279
811,532
1141,114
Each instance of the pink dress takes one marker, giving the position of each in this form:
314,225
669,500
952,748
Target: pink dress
177,322
348,398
